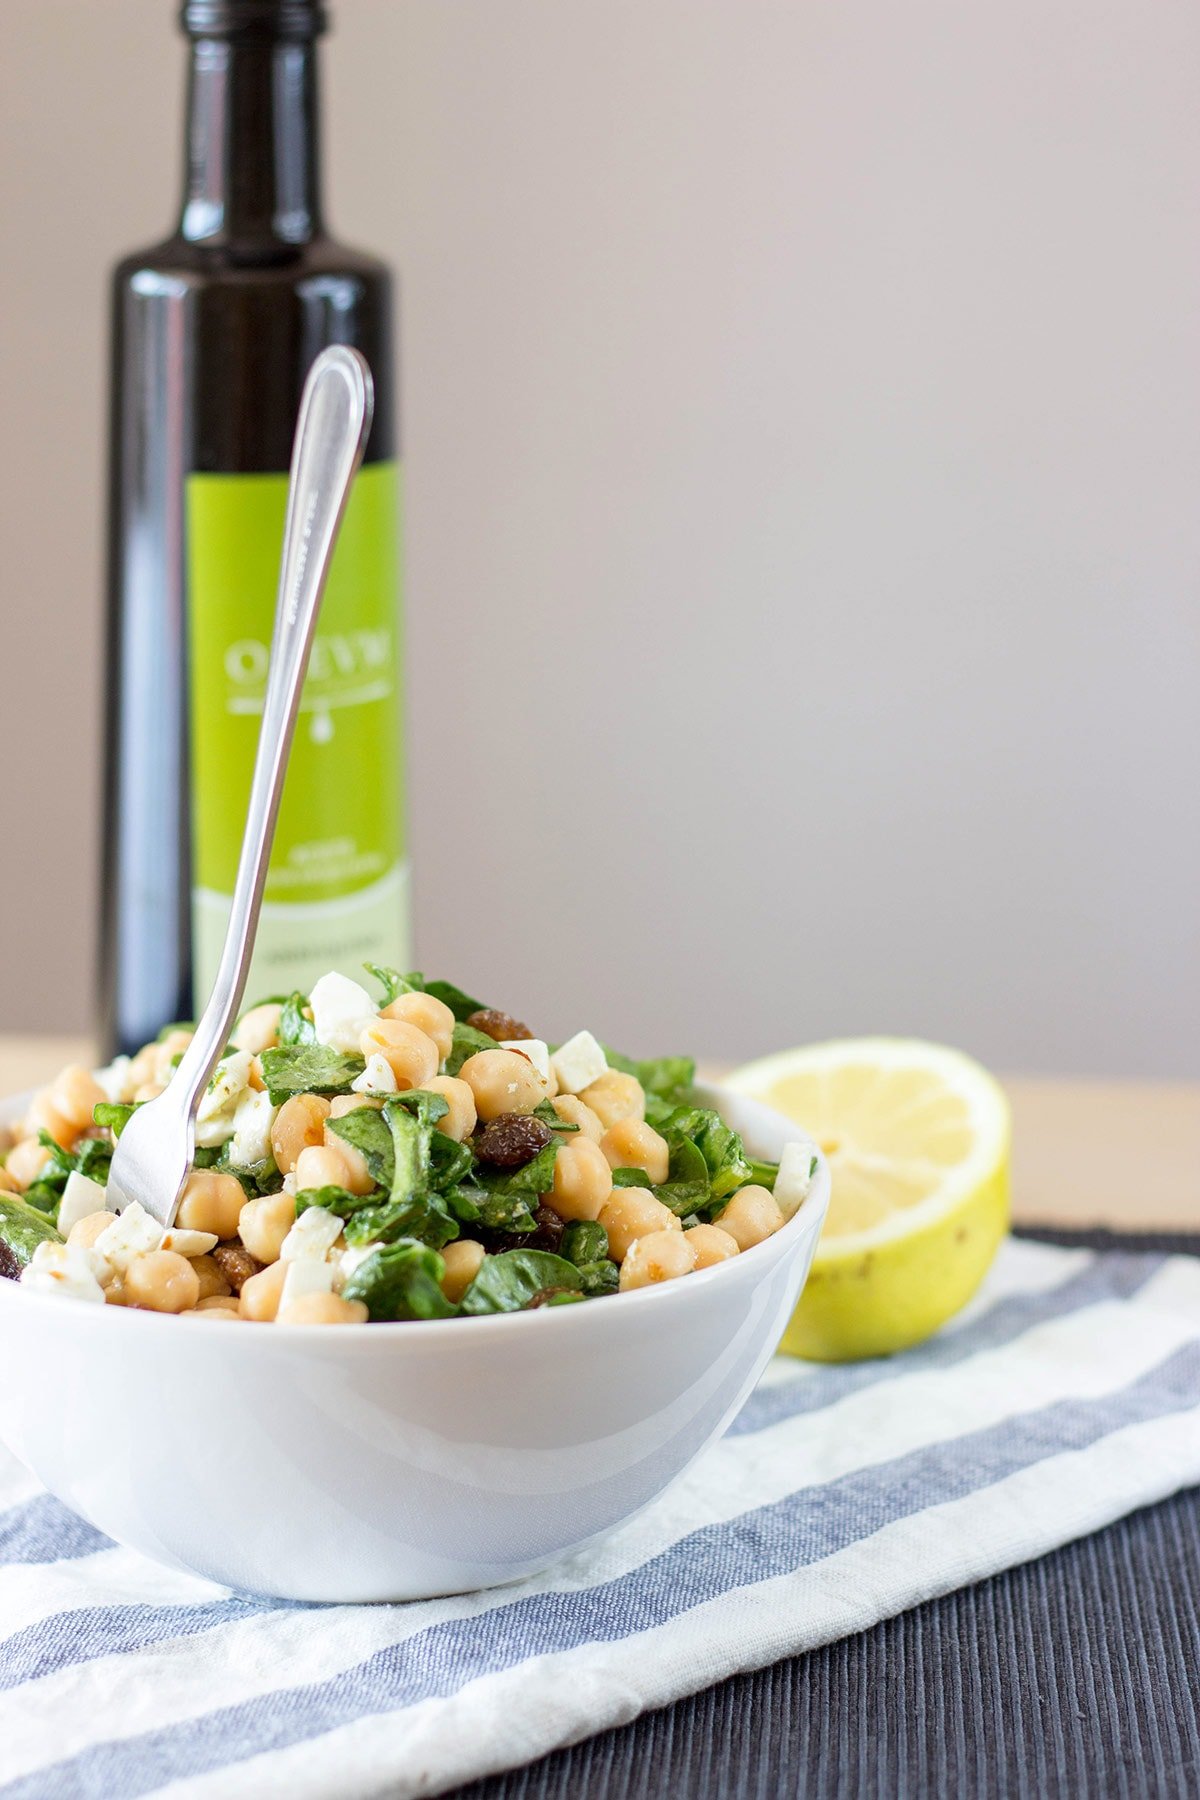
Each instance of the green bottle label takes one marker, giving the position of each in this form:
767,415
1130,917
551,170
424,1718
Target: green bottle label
337,889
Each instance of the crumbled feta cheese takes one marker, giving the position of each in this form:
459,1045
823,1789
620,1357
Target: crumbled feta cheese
351,1258
377,1078
313,1236
341,1012
577,1063
218,1107
252,1124
795,1175
537,1052
80,1198
114,1079
289,1182
188,1243
131,1234
305,1276
65,1269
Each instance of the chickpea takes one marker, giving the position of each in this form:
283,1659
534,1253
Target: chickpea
341,1104
428,1014
412,1054
260,1294
172,1046
161,1281
463,1260
263,1225
213,1285
632,1144
7,1183
502,1081
85,1231
76,1094
216,1302
149,1090
224,1315
323,1309
751,1216
45,1116
634,1213
333,1164
582,1180
299,1124
711,1245
142,1067
460,1121
26,1161
254,1075
572,1111
211,1202
258,1029
659,1256
614,1096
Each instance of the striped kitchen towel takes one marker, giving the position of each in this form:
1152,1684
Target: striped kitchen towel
1067,1394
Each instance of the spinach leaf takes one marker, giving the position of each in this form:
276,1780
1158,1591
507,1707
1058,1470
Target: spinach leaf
22,1229
563,1297
460,1004
666,1077
337,1200
394,983
256,1178
308,1069
718,1143
687,1185
584,1241
91,1159
466,1042
510,1214
508,1282
544,1110
113,1115
449,1163
535,1177
400,1281
626,1178
294,1026
600,1277
423,1216
369,1132
766,1173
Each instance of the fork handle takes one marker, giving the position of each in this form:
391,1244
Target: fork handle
331,435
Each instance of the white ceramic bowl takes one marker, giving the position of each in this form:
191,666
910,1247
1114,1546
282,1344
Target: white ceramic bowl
395,1462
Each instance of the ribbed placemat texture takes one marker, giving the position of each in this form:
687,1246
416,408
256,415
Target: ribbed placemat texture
1076,1675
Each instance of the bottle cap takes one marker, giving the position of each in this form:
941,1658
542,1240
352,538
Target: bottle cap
254,18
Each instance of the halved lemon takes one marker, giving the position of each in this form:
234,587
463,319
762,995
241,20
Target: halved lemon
917,1138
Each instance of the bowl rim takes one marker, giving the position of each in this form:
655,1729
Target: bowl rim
808,1216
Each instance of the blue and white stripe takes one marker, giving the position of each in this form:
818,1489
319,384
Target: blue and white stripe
1067,1394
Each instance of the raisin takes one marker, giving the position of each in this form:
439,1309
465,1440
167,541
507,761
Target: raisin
548,1233
10,1267
236,1265
498,1025
512,1140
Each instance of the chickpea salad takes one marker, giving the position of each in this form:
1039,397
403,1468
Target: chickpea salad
413,1155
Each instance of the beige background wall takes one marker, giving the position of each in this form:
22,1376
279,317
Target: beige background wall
803,415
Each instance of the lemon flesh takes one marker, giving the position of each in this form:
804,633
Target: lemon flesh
917,1138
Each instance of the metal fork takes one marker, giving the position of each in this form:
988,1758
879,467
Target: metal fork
153,1156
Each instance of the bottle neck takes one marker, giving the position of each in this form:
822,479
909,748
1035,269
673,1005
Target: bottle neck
252,152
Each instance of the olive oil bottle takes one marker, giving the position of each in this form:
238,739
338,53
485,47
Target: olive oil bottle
213,333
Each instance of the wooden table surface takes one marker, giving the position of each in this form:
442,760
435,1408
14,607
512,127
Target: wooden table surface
1125,1154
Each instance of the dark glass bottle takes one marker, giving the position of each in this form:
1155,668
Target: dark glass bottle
213,333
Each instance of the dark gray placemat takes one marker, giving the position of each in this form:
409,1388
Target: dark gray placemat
1076,1675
